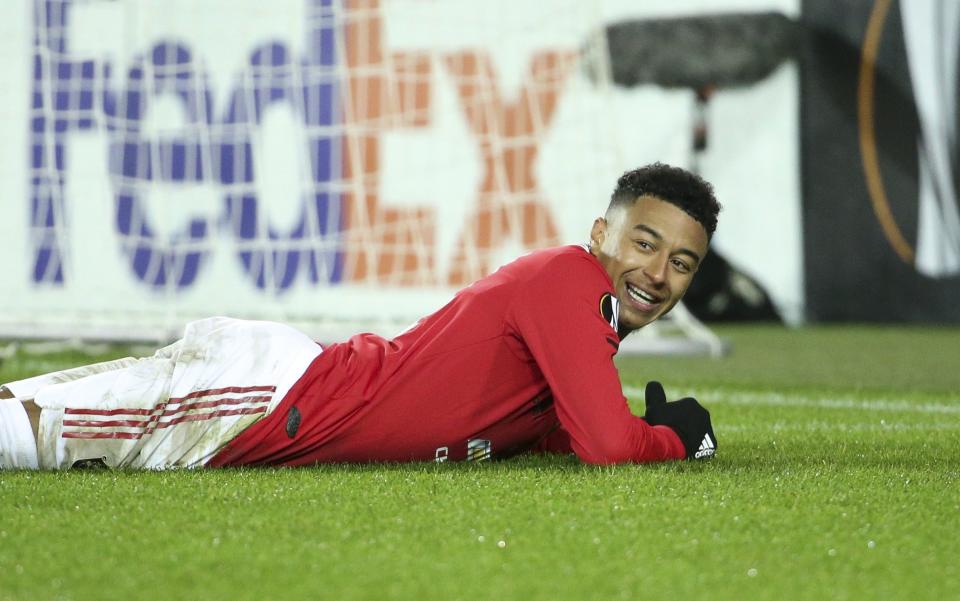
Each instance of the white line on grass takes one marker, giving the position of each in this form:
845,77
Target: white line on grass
819,426
777,399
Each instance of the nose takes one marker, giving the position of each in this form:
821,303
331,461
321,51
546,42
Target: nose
656,268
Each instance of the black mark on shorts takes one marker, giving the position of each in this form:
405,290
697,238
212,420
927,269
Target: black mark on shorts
293,422
96,463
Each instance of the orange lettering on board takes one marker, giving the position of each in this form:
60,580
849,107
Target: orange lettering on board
509,202
387,245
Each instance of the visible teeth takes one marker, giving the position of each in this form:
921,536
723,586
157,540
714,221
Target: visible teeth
640,295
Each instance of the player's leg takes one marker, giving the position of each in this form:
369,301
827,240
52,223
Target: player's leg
179,407
20,416
173,409
121,397
33,412
18,448
27,388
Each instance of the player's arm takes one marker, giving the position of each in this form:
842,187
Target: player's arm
686,417
558,316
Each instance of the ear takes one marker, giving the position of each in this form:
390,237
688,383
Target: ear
598,234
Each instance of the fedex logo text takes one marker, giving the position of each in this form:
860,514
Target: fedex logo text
344,92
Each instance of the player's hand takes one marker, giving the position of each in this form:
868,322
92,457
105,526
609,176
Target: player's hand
686,417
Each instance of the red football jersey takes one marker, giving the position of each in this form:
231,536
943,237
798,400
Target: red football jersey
520,360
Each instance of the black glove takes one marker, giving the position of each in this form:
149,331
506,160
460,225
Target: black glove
686,417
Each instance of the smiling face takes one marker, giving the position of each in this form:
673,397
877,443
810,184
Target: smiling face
651,249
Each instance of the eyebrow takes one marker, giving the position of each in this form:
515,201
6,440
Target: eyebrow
656,234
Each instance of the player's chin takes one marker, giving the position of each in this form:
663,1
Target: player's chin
634,319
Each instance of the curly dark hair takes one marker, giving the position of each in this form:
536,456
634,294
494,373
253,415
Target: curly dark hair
687,191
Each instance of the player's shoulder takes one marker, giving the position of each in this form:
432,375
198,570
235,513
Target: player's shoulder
565,285
555,271
573,260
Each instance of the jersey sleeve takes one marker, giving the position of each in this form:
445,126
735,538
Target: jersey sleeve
558,316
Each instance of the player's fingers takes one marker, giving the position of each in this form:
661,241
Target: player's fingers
654,394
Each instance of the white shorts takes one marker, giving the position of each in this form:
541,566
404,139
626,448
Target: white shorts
175,409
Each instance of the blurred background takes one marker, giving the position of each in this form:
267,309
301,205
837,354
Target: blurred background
347,165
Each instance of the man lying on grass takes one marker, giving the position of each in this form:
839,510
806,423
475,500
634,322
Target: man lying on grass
522,360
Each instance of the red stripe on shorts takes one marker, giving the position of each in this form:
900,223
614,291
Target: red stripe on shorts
214,391
171,401
196,417
132,423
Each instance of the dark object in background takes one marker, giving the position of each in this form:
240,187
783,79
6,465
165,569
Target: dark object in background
723,50
720,292
703,53
852,269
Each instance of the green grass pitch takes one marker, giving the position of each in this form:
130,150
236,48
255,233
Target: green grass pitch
837,477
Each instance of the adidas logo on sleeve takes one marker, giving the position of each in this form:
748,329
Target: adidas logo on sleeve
707,448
